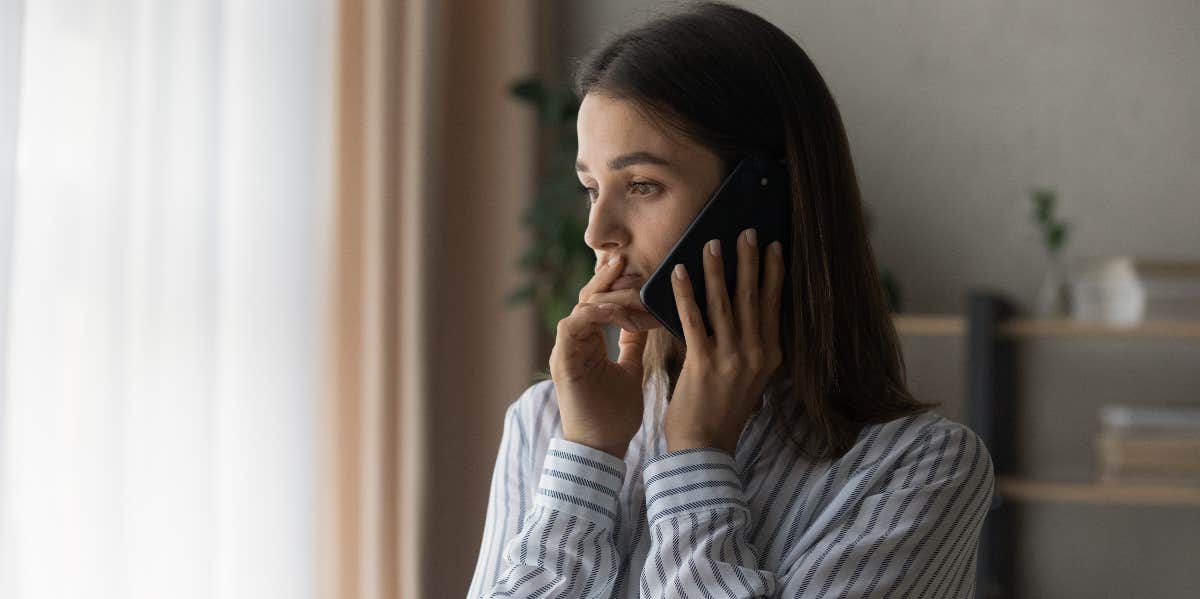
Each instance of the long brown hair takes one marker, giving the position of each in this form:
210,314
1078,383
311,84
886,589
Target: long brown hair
734,83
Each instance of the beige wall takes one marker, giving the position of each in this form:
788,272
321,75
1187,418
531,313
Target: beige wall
436,164
484,350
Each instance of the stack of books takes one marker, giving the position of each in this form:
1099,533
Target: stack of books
1149,444
1172,288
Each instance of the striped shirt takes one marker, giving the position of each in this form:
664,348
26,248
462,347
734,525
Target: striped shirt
899,515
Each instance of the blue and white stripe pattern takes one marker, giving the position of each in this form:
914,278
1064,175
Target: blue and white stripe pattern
898,516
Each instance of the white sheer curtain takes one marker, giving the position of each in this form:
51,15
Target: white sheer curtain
164,250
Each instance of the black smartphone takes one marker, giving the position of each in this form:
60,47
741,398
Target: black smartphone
754,195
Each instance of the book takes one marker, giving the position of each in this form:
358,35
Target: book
1172,288
1149,444
1181,417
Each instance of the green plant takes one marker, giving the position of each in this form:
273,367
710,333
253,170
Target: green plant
1053,231
558,262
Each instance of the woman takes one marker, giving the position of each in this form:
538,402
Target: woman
780,456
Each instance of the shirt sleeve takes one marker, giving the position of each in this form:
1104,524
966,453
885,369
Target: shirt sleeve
916,537
698,517
562,545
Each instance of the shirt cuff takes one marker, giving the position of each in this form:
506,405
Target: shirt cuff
581,480
691,480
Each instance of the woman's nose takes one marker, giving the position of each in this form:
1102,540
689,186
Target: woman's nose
606,225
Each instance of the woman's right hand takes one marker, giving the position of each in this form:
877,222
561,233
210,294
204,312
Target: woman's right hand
600,401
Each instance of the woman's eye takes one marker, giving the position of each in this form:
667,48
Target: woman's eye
639,187
644,185
586,192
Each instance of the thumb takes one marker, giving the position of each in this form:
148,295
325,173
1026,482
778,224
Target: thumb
632,344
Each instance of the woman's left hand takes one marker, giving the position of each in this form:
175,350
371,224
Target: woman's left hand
724,375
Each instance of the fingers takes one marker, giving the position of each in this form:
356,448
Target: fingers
602,280
747,289
632,320
633,316
631,301
633,345
770,298
718,296
694,335
584,321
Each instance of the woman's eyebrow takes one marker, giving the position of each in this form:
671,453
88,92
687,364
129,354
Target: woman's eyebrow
624,160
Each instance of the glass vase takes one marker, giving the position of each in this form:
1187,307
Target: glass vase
1053,298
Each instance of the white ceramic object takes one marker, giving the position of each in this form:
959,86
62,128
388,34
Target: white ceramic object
1108,290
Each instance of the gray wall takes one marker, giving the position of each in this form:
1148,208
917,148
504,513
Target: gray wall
954,109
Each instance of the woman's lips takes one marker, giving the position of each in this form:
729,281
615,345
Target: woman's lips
627,281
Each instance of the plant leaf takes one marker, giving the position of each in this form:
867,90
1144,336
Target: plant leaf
530,90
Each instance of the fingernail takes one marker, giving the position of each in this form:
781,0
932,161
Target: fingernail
714,247
680,271
751,237
605,307
613,261
777,248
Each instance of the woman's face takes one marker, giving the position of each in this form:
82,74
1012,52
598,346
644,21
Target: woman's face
645,185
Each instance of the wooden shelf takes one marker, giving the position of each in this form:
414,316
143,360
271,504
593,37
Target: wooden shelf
950,325
1058,327
929,324
1019,489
